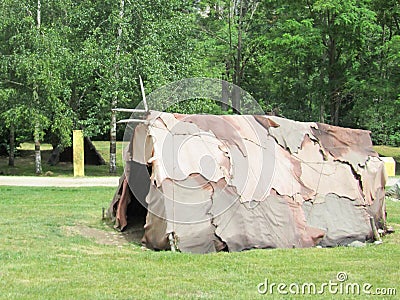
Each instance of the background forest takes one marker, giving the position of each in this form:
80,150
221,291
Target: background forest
65,64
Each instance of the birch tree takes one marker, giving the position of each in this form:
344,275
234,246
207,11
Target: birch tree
34,68
114,102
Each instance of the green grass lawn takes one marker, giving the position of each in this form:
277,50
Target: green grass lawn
25,164
41,259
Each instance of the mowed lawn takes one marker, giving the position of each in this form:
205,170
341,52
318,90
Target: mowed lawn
40,258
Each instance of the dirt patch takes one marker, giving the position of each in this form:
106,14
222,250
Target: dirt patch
104,237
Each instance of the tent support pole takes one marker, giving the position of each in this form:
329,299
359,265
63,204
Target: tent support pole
132,121
374,230
146,108
131,110
172,241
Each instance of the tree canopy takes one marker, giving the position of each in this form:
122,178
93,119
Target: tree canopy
65,64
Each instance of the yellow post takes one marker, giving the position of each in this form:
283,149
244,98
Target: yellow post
390,165
78,153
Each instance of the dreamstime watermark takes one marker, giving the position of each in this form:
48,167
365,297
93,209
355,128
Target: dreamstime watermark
340,286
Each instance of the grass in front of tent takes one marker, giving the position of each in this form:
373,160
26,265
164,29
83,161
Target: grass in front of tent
40,258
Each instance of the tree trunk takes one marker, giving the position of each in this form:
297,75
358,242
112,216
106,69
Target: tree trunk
338,102
114,103
113,143
322,112
36,136
36,133
38,156
12,146
237,73
334,90
38,16
334,74
332,107
225,95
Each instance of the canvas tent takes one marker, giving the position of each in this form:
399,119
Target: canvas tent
205,183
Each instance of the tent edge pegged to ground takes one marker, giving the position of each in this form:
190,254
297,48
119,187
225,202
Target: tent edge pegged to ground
206,183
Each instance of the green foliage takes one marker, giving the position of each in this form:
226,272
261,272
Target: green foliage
198,106
335,61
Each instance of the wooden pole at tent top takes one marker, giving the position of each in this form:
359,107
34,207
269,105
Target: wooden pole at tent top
146,108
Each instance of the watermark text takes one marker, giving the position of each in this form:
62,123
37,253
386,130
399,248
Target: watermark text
340,286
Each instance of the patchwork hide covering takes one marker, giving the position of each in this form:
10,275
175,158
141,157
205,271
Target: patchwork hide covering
241,181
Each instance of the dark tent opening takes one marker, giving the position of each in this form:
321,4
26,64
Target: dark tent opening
92,156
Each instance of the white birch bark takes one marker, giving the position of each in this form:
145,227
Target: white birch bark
36,133
114,103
